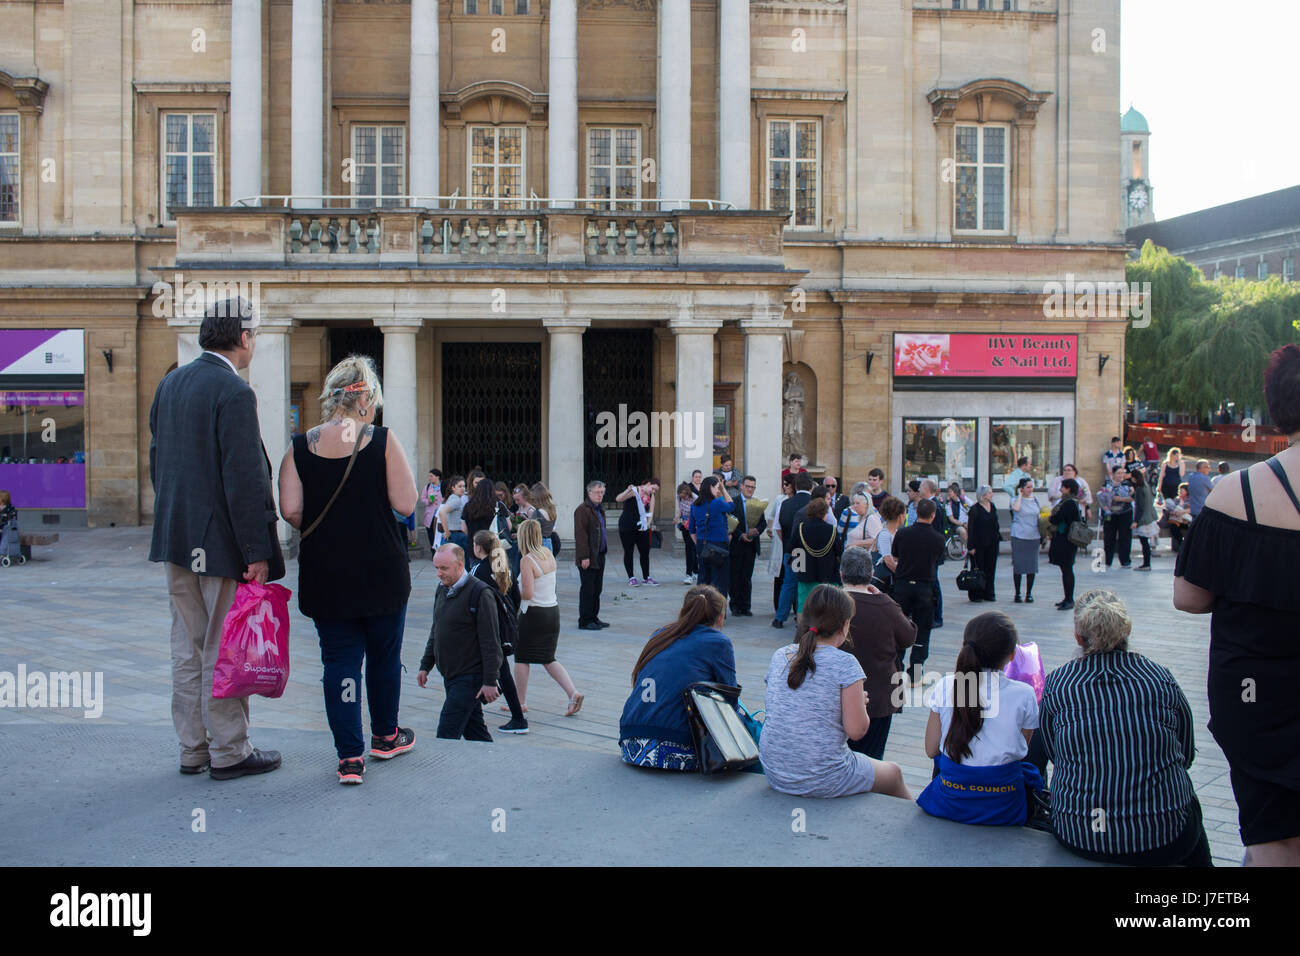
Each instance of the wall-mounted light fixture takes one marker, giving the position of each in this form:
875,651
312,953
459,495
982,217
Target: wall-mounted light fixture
870,358
1101,363
108,357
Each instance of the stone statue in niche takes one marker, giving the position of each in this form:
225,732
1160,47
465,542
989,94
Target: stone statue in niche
792,436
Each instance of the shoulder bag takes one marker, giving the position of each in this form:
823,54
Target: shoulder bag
722,739
970,579
324,511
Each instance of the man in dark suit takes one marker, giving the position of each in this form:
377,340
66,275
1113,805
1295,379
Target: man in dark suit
744,550
786,519
214,526
590,544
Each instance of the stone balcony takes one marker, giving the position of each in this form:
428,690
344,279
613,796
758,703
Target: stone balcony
263,237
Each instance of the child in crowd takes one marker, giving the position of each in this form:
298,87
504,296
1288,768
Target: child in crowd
979,730
815,705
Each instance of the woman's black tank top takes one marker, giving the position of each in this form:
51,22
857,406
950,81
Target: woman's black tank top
354,564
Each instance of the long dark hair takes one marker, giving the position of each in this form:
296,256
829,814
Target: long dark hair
825,612
702,604
706,492
482,501
989,639
450,483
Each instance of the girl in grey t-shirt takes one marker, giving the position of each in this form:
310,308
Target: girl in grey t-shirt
815,703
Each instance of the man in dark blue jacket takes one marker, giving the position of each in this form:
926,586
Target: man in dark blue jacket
785,518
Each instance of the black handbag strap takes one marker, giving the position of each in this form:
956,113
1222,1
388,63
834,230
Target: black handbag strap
347,471
1280,472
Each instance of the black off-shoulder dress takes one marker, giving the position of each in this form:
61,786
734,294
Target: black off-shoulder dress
1253,570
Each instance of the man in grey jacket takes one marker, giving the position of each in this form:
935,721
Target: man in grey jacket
214,526
464,645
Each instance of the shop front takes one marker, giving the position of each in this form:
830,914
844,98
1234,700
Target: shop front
968,406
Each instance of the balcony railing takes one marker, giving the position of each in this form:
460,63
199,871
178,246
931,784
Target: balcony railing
287,235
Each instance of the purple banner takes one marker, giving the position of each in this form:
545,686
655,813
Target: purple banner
45,486
66,399
15,343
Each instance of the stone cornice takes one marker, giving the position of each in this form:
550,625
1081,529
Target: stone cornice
29,91
495,90
944,99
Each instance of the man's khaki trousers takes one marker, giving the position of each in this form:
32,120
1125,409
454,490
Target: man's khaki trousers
209,729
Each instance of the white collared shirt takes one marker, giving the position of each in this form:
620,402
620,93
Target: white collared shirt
223,358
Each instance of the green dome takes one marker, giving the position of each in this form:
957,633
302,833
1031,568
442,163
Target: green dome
1133,122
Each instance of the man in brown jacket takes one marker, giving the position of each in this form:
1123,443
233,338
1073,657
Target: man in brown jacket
590,544
881,634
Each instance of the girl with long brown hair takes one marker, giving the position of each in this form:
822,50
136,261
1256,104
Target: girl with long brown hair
654,730
979,730
815,705
491,566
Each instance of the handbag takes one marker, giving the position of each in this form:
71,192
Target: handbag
352,460
970,579
712,553
1080,534
722,740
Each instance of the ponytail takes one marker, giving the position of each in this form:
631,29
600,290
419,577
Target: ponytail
825,612
489,543
988,640
701,606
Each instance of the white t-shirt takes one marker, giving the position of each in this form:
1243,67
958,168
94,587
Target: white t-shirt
1010,707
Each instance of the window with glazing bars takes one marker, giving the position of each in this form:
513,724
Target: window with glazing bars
10,169
793,180
614,165
496,165
378,165
189,157
980,192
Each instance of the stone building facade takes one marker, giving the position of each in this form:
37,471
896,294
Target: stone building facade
531,212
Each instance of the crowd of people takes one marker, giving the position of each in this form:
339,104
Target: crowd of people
856,568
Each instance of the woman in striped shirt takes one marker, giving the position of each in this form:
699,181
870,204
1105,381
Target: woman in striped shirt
1117,729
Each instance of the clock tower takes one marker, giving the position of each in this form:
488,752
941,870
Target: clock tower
1134,157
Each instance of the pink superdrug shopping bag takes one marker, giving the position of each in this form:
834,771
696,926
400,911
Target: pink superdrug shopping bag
1027,667
254,655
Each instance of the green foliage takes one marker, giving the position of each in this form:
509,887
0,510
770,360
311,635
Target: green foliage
1208,341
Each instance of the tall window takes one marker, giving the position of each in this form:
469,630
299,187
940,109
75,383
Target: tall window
496,164
614,165
378,164
1288,269
980,193
1261,270
10,169
983,4
1241,271
793,180
189,161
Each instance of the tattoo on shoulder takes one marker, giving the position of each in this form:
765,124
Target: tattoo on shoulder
369,432
313,438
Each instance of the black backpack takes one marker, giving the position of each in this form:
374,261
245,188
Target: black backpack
507,622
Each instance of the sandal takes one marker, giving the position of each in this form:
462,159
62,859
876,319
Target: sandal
575,705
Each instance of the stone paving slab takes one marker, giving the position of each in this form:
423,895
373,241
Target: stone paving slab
94,602
100,796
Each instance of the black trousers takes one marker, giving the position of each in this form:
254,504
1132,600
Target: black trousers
692,565
986,559
640,542
1117,538
1067,580
742,576
506,681
873,744
591,579
462,711
916,598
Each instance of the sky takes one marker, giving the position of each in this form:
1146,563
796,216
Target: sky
1217,81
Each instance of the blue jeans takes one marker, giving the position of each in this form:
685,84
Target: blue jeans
462,712
789,590
344,643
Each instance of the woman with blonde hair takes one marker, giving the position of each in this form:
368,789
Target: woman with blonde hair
1172,472
539,616
544,511
491,566
341,484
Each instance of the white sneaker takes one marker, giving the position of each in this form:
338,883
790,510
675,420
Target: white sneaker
688,580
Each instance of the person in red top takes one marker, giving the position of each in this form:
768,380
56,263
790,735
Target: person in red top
796,465
1151,456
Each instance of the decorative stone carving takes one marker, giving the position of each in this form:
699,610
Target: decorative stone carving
792,417
944,100
645,6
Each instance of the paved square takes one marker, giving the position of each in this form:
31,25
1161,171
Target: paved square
94,602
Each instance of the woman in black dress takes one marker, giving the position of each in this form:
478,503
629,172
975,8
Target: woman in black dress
821,545
1239,563
984,540
1062,550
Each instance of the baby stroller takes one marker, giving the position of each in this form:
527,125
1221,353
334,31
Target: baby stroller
10,545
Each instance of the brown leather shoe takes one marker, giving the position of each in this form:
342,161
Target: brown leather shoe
259,761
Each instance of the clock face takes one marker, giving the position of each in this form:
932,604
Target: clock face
1137,198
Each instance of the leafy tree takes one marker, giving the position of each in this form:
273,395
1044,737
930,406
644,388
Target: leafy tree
1208,341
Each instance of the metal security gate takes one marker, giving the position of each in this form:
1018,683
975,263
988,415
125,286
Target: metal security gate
492,409
617,369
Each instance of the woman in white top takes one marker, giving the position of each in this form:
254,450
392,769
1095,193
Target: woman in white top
449,519
539,616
